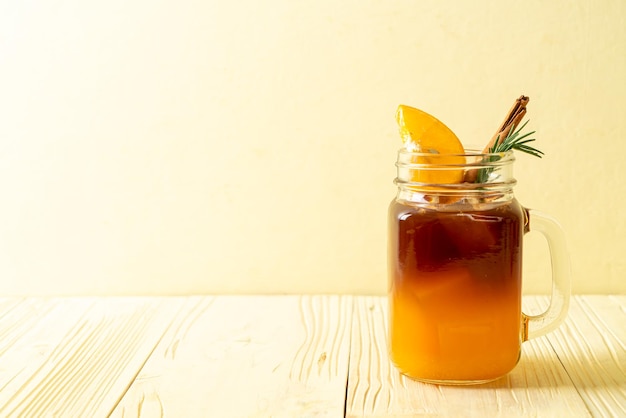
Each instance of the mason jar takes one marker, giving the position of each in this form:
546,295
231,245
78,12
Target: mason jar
455,252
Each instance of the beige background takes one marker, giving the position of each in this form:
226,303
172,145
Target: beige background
217,146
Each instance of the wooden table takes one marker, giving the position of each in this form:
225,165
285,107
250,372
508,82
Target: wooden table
282,356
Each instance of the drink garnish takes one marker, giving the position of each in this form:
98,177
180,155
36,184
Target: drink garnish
423,133
508,137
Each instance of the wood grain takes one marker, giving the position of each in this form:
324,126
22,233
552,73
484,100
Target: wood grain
247,356
538,386
76,357
592,347
30,331
282,356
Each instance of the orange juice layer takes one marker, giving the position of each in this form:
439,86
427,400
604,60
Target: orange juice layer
455,291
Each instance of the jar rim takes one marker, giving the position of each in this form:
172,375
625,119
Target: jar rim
508,156
493,169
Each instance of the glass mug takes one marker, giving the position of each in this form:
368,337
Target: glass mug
455,266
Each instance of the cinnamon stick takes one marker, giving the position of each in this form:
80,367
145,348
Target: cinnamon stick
512,119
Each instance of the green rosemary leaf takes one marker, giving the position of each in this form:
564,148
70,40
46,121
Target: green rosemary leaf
514,140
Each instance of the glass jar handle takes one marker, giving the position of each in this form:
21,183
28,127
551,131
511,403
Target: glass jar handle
537,325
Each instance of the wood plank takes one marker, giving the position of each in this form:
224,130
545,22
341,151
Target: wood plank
80,355
7,304
592,346
30,329
538,386
246,356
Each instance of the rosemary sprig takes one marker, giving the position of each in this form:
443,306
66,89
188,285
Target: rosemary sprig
514,140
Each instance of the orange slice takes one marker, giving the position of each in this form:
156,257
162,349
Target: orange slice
422,132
